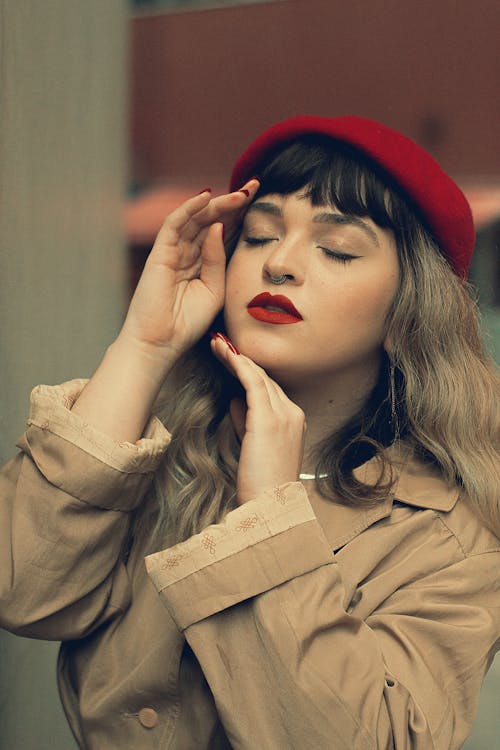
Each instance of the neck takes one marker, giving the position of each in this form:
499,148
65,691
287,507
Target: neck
328,406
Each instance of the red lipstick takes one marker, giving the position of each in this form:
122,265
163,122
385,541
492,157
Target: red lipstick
273,308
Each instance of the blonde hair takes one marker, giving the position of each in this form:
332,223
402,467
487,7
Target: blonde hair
446,397
196,484
437,390
451,385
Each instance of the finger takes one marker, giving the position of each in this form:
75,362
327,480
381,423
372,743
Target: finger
177,221
231,364
238,414
255,381
213,261
228,202
190,221
233,220
221,208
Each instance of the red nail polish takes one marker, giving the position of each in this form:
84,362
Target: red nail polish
218,335
225,339
231,345
205,190
243,190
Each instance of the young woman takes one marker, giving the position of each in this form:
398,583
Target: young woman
309,557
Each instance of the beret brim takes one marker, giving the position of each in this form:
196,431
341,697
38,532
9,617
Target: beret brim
422,181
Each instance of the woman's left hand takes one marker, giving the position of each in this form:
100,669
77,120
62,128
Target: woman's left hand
271,428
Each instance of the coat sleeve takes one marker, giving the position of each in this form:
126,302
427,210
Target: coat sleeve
261,600
65,504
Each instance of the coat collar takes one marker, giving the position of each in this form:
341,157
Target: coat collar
417,484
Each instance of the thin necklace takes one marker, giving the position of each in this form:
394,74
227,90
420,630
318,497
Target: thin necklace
313,476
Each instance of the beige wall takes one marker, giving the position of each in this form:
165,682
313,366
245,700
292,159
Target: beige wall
62,263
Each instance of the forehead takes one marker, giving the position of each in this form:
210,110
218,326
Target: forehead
274,204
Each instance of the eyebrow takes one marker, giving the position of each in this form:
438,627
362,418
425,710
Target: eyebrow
326,217
350,219
266,208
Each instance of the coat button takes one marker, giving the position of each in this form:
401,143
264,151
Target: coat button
148,717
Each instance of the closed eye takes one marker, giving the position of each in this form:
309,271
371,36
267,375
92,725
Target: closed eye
258,240
340,257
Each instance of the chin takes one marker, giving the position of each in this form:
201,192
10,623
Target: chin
282,367
254,346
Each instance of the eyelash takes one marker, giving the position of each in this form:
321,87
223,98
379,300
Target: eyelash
257,240
330,254
340,257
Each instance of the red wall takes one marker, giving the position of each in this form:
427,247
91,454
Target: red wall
204,83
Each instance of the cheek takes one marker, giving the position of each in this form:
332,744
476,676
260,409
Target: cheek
236,291
361,307
375,302
235,266
376,295
241,273
233,283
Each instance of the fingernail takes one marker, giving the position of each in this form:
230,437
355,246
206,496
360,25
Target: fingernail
255,178
205,190
218,335
230,345
243,190
225,339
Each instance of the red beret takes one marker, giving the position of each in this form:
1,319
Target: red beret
440,201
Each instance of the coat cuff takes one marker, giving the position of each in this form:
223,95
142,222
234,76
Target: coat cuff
258,546
83,461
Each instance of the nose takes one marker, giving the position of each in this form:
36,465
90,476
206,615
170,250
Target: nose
284,262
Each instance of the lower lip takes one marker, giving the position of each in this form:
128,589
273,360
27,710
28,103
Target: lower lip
271,316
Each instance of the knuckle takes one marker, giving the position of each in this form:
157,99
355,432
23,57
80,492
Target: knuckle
260,384
298,414
293,421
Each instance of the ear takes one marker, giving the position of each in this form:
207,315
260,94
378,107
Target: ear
388,344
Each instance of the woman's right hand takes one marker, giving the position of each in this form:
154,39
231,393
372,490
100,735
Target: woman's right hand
181,288
180,292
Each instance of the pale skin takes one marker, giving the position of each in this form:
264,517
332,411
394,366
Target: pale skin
288,374
178,295
341,274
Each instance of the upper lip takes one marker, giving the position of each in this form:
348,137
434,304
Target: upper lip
264,299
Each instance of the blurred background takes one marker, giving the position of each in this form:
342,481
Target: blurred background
112,112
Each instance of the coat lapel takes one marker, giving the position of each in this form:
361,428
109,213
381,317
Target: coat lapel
416,484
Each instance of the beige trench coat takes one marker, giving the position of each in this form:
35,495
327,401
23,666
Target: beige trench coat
285,627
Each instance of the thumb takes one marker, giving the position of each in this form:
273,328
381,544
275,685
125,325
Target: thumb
213,260
238,414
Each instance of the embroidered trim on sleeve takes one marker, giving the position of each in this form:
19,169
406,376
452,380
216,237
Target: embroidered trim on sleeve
50,409
270,514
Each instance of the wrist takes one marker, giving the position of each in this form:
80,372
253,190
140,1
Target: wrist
149,361
119,397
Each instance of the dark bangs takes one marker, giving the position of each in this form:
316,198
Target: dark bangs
335,174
